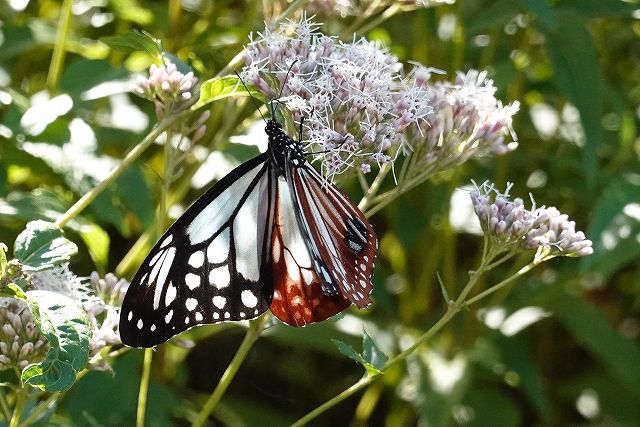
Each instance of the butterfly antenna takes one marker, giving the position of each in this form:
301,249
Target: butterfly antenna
252,98
286,77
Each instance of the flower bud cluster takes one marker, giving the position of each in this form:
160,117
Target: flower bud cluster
103,310
554,232
21,343
509,224
167,87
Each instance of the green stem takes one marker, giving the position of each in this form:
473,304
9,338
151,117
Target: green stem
255,327
57,58
21,399
4,406
452,310
39,410
364,382
144,387
502,284
85,200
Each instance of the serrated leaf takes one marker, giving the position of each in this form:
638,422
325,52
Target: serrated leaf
65,325
134,41
372,354
223,87
42,245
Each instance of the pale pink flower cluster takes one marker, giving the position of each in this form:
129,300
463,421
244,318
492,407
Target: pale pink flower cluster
21,343
510,225
167,87
467,121
359,110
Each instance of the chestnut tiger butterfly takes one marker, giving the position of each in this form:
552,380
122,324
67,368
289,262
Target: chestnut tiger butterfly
272,234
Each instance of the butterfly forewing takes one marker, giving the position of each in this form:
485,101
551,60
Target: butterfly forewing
298,298
340,238
213,264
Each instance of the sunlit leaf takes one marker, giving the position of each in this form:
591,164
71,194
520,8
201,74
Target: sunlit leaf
65,325
371,353
223,87
42,245
133,41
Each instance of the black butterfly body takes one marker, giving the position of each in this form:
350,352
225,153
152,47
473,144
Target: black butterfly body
272,234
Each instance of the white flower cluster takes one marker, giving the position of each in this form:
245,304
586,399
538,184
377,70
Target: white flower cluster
359,110
344,8
508,224
167,87
467,121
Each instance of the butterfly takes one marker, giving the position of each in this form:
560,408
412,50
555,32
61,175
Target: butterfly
272,234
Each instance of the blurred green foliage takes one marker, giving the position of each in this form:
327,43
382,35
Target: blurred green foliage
575,67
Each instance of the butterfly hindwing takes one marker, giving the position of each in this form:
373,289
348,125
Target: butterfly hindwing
341,241
213,264
298,298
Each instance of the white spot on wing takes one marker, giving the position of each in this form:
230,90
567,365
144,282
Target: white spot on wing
140,324
218,249
216,213
308,276
191,304
293,270
155,258
153,328
166,241
192,280
168,317
219,277
199,317
130,316
171,294
166,262
245,233
248,298
219,301
196,260
216,316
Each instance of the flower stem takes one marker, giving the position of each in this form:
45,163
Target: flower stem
364,382
144,387
255,328
452,310
502,284
21,399
57,58
85,200
4,407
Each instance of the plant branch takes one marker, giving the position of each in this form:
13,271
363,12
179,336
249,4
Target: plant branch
59,48
144,387
255,328
89,197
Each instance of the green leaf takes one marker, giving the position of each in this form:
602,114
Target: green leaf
3,259
223,87
66,327
544,12
349,351
41,246
371,353
134,41
613,228
577,73
618,355
12,290
97,241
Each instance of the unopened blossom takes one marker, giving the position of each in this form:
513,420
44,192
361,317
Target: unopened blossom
21,343
170,89
510,226
103,310
556,235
